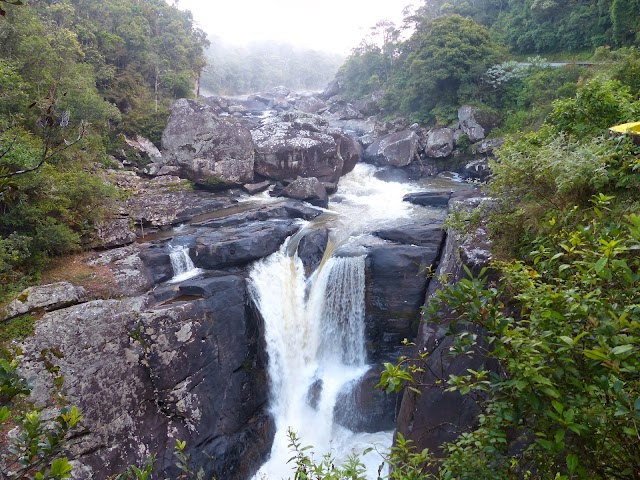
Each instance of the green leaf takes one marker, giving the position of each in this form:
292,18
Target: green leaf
4,414
61,468
595,354
567,340
572,462
600,264
621,349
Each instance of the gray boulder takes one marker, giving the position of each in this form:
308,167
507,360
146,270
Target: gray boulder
301,145
439,143
253,188
396,149
476,123
487,147
309,190
310,105
209,150
194,371
43,297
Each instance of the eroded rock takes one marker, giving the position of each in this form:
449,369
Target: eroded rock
396,149
209,150
43,297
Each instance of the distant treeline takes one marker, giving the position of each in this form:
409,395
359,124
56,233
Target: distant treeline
233,70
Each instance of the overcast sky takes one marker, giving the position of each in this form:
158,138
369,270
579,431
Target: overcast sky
329,25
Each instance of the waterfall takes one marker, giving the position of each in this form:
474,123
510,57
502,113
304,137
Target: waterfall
314,330
183,267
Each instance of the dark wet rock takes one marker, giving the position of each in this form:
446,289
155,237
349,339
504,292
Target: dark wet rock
396,149
477,170
439,143
391,174
428,199
435,416
333,88
309,190
209,150
361,407
311,249
231,247
43,298
194,371
369,105
288,209
421,234
476,123
155,257
253,188
396,283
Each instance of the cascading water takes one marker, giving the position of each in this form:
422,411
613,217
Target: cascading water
314,327
315,341
183,267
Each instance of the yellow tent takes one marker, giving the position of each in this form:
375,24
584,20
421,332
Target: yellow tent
632,128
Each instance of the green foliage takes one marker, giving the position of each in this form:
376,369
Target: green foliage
36,450
596,106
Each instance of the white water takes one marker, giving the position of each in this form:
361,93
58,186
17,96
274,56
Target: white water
314,327
316,346
183,267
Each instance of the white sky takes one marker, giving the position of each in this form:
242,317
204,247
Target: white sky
329,25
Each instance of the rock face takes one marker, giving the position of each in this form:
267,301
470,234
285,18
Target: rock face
362,408
439,143
476,123
192,371
396,283
312,247
300,145
43,297
396,150
209,150
308,190
436,416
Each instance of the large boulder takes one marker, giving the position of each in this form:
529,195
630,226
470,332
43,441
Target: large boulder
439,143
309,190
300,145
396,149
233,247
310,105
428,199
146,376
43,297
476,123
208,149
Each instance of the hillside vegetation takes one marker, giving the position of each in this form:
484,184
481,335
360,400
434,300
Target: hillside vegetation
83,72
